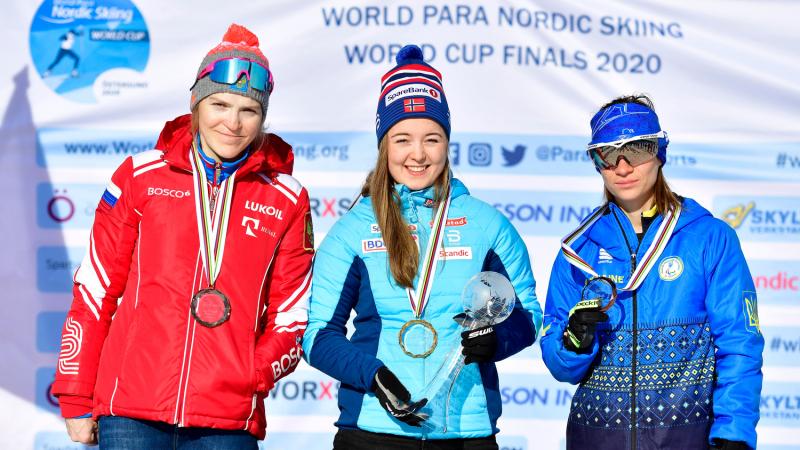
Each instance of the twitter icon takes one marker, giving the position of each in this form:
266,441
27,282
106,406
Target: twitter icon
513,156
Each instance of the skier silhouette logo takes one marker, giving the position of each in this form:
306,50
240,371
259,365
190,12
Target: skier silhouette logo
66,50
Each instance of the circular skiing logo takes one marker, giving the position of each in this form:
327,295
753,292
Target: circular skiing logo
75,42
670,268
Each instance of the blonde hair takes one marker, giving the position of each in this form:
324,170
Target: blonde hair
402,252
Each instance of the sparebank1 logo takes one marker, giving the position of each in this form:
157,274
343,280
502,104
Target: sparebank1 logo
761,218
74,42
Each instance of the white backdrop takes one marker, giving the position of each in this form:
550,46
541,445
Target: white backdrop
522,79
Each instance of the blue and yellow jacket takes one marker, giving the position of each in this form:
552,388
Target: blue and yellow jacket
679,361
351,272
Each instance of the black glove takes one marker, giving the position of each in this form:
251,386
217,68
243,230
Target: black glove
724,444
394,398
479,344
583,320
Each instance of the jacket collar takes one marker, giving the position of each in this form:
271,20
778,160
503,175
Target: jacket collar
274,156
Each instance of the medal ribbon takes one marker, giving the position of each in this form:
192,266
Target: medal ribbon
212,224
419,297
648,260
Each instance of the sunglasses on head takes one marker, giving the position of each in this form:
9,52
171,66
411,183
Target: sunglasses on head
231,70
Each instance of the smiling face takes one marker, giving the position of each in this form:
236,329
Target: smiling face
227,124
632,187
417,152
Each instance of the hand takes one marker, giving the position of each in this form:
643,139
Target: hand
82,430
479,344
724,444
394,398
583,320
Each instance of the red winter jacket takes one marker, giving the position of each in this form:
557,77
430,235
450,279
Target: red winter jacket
130,346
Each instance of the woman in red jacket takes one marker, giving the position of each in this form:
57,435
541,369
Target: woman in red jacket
192,298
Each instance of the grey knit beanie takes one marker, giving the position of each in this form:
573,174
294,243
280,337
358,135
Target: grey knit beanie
238,42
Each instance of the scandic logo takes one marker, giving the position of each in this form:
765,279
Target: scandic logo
174,193
456,253
781,281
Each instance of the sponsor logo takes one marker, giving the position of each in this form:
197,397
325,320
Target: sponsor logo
286,362
414,105
751,309
373,245
456,222
67,206
781,281
780,404
541,213
776,281
66,35
249,225
300,390
617,279
375,229
763,218
513,156
60,208
163,192
266,210
333,207
456,253
453,236
670,268
412,89
71,342
525,395
482,332
735,215
604,256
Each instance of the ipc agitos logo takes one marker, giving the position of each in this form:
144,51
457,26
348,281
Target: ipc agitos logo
73,43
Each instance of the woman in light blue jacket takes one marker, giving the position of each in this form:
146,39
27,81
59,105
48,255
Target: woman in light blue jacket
400,259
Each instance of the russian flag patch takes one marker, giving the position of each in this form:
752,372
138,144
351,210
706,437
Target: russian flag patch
111,194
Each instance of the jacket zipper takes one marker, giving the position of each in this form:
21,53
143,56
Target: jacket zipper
180,411
634,355
634,401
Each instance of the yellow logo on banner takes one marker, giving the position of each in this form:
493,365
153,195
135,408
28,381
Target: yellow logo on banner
735,215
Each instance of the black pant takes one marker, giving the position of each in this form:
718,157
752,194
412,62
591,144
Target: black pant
365,440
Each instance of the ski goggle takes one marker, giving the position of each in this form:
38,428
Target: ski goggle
231,70
636,151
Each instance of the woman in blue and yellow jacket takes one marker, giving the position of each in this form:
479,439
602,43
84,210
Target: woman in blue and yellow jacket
416,231
675,363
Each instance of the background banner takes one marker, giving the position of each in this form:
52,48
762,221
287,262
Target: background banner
87,83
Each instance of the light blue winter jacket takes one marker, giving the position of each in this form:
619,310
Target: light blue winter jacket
350,274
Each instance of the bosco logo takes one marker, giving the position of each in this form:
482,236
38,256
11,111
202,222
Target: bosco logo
163,192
